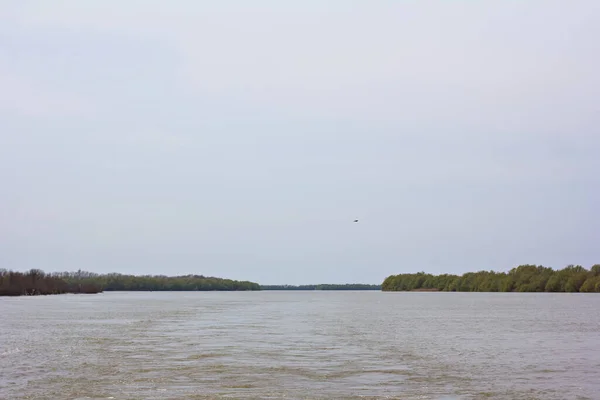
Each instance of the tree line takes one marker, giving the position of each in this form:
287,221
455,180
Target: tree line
346,286
121,282
36,282
524,278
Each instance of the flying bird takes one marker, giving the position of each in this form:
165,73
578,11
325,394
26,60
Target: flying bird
355,220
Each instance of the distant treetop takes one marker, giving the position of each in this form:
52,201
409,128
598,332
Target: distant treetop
525,278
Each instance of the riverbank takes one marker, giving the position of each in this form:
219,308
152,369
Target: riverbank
36,282
344,286
525,278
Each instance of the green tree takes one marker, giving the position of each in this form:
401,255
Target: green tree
524,278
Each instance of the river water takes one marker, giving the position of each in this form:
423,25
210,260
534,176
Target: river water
300,345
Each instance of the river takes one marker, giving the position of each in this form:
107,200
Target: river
300,345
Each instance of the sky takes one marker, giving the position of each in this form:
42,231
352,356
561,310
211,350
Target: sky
241,139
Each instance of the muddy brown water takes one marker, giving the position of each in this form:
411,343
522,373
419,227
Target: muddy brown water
300,345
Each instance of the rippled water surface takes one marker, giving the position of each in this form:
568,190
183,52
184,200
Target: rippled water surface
300,345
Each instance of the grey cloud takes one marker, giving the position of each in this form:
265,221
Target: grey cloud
241,141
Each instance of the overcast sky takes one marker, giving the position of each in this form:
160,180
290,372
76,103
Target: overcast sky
220,138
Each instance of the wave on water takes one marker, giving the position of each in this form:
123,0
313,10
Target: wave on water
10,352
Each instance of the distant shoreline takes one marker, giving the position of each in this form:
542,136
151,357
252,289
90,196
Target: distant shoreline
36,282
524,278
326,286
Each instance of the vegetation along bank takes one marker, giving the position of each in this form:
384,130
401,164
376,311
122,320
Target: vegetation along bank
36,282
525,278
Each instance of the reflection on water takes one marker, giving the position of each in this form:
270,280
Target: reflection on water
305,345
